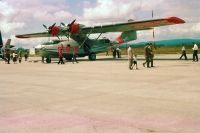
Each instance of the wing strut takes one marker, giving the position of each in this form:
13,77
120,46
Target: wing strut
86,38
99,36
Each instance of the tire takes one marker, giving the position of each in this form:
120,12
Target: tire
68,58
92,57
48,60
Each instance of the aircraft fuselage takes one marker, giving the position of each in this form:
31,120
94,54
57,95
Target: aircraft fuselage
89,47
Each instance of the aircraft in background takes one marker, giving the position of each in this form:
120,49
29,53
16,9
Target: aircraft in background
164,43
5,47
78,36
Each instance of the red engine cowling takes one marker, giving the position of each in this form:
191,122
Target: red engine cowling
74,28
54,31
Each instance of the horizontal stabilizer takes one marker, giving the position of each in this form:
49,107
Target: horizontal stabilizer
8,42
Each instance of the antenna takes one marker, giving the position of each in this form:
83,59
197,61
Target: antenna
153,31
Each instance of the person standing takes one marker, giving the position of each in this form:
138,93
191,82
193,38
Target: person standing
68,55
118,51
107,52
68,49
195,52
130,57
7,56
60,54
14,57
75,52
26,56
114,52
183,51
20,56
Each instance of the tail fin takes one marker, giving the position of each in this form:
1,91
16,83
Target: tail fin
1,40
126,36
7,44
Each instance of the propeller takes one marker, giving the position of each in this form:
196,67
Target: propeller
63,24
45,26
53,29
72,23
73,28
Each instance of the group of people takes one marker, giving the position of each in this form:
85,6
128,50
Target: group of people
14,56
68,48
195,53
148,53
116,52
132,58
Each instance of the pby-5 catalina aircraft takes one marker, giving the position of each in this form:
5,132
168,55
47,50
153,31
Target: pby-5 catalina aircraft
78,35
5,47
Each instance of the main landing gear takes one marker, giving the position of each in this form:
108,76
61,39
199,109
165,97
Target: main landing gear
48,60
92,56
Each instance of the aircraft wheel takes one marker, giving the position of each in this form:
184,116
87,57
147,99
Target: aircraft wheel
68,58
92,56
48,60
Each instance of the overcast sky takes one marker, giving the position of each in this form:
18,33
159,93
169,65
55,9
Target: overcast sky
23,16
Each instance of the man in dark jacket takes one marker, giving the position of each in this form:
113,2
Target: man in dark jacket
147,51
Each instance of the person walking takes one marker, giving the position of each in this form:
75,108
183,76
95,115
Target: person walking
147,51
183,51
135,62
151,55
130,57
195,52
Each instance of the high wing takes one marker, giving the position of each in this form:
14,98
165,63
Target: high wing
34,35
134,26
120,27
